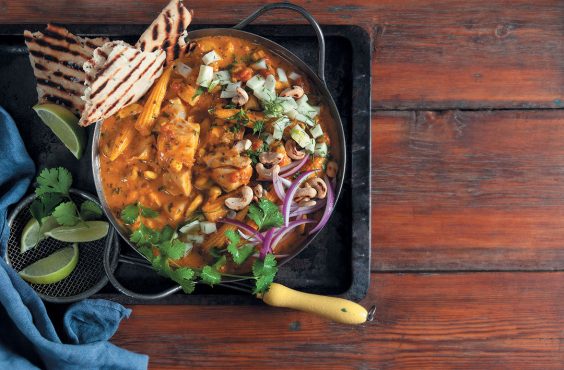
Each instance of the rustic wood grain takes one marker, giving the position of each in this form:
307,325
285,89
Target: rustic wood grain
485,320
464,190
427,54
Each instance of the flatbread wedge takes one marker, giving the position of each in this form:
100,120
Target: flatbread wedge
57,56
168,31
118,75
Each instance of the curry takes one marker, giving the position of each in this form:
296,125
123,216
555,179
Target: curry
227,156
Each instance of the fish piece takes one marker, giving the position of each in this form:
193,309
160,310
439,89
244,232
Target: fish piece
117,75
57,57
178,141
168,31
226,156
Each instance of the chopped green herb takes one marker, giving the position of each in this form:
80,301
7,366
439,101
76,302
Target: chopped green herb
273,108
54,180
212,85
344,309
43,205
257,127
145,236
266,214
239,254
211,111
66,214
199,92
148,212
130,213
264,273
230,106
90,210
210,276
173,249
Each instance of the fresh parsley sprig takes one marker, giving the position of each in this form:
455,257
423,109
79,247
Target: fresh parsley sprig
239,254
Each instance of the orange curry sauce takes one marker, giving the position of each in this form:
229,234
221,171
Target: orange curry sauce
186,167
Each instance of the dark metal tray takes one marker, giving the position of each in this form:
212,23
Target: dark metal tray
337,262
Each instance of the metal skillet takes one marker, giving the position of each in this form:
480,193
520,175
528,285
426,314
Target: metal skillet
337,309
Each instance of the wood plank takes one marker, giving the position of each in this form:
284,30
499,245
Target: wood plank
456,54
477,320
462,190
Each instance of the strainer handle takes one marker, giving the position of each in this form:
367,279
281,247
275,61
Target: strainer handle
114,281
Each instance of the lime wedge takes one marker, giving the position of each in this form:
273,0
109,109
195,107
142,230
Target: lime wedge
84,232
32,233
53,268
64,124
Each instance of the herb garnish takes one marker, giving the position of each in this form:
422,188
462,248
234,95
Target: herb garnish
53,185
273,108
132,211
257,127
239,254
265,214
199,92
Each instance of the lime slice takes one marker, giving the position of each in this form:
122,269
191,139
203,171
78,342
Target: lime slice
32,233
53,268
64,124
84,232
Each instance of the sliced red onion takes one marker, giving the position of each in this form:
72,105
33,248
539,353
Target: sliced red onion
287,204
285,230
250,238
300,211
278,186
328,208
241,225
265,248
290,166
296,168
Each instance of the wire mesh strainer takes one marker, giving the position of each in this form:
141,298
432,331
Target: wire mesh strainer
87,278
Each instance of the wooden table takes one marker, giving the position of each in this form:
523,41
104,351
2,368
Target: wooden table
468,195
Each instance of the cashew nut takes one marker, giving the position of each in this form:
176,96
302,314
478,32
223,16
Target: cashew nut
319,185
241,98
306,202
259,191
242,145
266,173
304,194
293,151
295,92
270,158
238,204
332,168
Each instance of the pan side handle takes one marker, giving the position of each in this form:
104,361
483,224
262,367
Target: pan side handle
333,308
320,38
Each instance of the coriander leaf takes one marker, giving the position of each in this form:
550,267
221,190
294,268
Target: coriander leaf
199,92
167,233
230,106
148,212
239,254
90,210
147,252
54,180
264,272
173,249
266,214
210,276
185,277
220,262
257,127
43,205
130,213
145,236
66,214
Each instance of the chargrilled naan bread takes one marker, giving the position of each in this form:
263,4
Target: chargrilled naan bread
57,57
118,75
168,31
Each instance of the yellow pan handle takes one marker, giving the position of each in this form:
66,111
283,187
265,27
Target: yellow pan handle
336,309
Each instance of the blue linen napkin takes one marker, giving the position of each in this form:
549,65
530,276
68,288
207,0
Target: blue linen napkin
28,339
